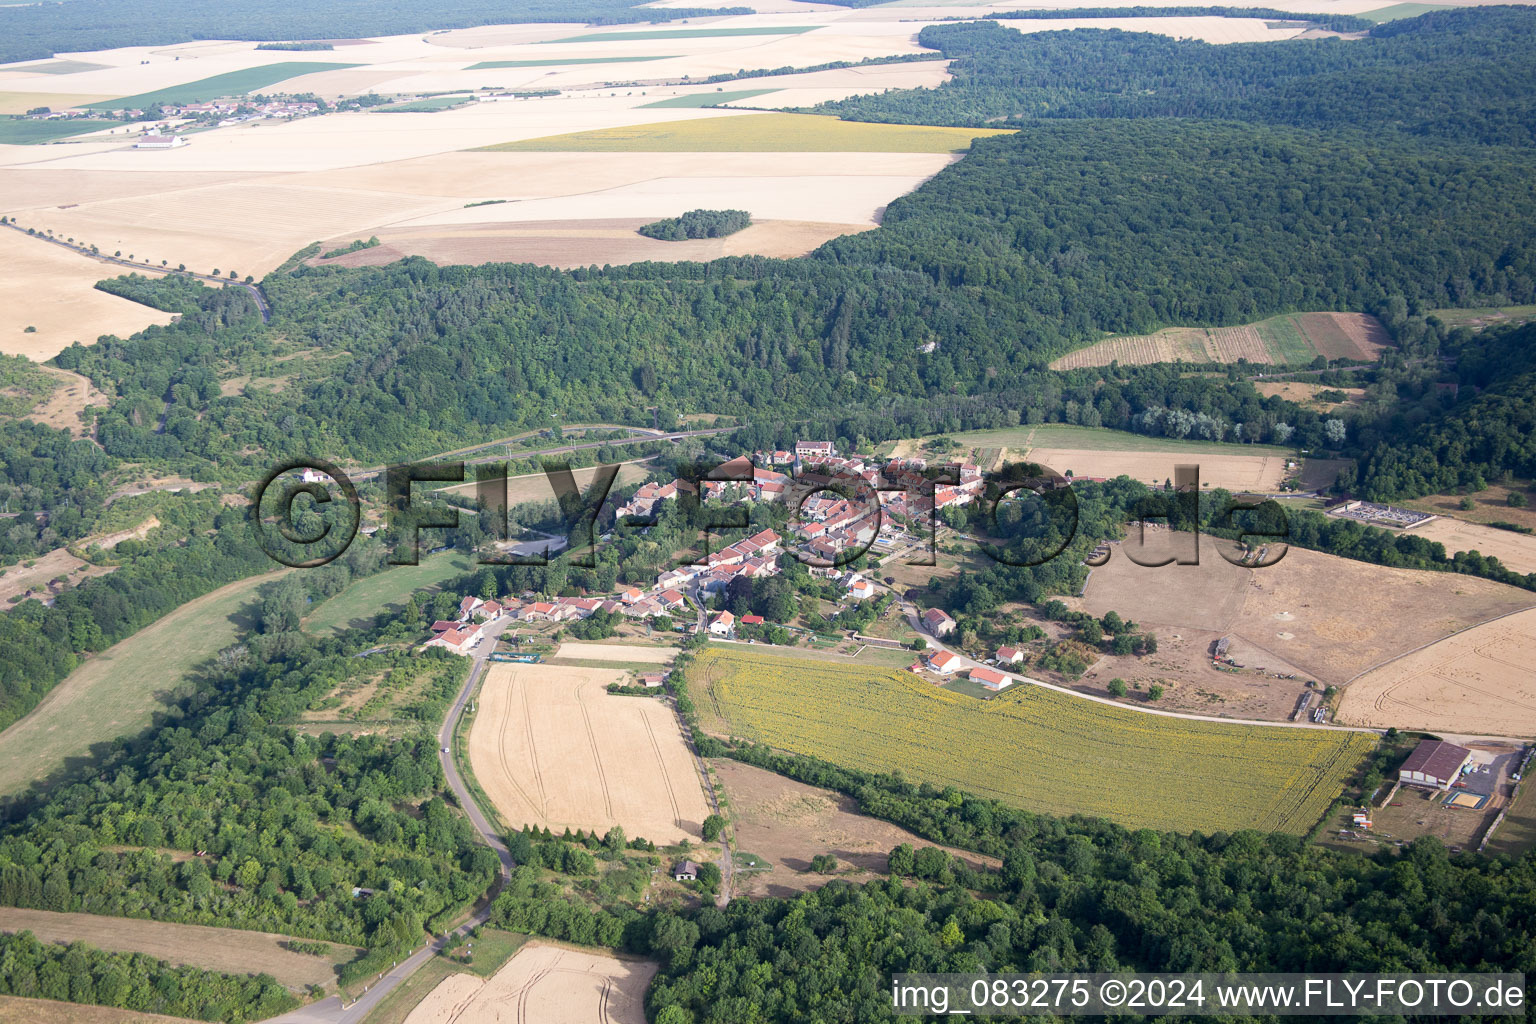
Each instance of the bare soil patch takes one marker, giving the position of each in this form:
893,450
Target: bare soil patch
1345,335
544,984
551,748
1476,682
65,408
18,582
1305,393
1314,615
788,823
227,950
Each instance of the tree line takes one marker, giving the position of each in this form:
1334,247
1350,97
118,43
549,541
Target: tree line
1454,75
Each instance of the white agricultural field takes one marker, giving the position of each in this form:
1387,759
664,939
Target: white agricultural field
53,290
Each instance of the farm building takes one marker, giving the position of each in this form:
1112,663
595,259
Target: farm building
944,662
1009,655
685,871
653,679
991,678
154,140
1434,763
938,622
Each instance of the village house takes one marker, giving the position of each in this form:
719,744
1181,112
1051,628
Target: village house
938,622
944,662
991,678
720,623
1009,655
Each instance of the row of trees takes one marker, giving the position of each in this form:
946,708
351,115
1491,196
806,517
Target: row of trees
133,981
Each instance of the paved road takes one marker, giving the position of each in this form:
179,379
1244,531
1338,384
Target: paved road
331,1010
261,300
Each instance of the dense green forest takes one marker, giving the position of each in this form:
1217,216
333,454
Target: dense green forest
30,31
78,973
1467,76
292,826
1332,22
1488,433
1034,243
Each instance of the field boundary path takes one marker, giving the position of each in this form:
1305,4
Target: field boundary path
255,290
331,1010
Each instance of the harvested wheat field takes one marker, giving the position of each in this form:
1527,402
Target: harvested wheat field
1478,682
617,652
1330,617
16,1010
54,290
1259,473
226,950
759,133
544,984
551,748
567,244
1516,550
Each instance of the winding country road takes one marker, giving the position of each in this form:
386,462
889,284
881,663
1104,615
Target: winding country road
332,1010
261,300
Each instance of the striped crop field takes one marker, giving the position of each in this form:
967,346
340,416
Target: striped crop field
757,133
1032,747
1291,339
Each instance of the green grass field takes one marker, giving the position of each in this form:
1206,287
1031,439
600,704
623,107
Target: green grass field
1031,747
18,131
1516,836
707,99
62,67
556,62
360,601
686,33
233,83
116,692
757,133
430,105
1286,341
